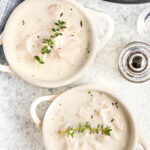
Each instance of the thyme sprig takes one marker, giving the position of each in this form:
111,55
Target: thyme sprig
49,43
70,131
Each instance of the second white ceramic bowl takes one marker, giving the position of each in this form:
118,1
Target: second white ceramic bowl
135,136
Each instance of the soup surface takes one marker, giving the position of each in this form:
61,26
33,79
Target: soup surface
81,107
38,21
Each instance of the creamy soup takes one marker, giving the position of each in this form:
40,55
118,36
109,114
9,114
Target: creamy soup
87,106
70,49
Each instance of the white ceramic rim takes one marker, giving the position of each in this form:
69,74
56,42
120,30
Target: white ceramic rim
50,84
92,87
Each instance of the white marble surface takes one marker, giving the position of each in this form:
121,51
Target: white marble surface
17,131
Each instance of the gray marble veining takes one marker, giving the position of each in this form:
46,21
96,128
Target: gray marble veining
17,131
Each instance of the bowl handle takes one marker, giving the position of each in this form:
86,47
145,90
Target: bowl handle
34,106
110,22
142,142
4,68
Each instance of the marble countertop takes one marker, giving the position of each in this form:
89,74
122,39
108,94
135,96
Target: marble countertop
18,132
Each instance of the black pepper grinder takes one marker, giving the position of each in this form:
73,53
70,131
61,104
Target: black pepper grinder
134,62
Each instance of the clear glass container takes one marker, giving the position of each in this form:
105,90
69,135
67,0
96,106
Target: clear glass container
143,24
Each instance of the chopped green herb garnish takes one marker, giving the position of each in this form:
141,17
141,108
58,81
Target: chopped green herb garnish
39,59
112,120
70,131
61,14
23,22
49,43
81,24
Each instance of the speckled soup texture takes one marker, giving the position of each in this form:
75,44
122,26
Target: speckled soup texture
18,132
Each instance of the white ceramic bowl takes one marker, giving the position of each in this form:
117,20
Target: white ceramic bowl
96,43
135,135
